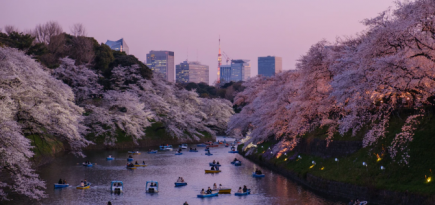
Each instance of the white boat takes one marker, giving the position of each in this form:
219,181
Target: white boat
116,186
183,146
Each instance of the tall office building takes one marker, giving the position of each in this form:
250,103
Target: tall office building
239,70
269,66
119,45
162,62
192,71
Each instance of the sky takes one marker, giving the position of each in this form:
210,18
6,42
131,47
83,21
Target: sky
191,28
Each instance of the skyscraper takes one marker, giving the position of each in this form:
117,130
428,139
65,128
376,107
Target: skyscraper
239,70
269,66
162,62
192,71
119,45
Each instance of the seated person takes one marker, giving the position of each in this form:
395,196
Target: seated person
214,162
214,186
143,162
182,180
220,186
217,168
60,181
129,156
217,162
257,171
235,159
195,149
110,156
245,189
202,192
209,191
212,168
82,184
64,181
240,190
136,162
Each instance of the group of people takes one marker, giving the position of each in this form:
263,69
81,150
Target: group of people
356,202
180,179
136,163
214,162
84,183
258,171
235,160
214,168
179,150
129,156
192,149
153,184
209,191
245,189
117,184
130,165
87,162
62,181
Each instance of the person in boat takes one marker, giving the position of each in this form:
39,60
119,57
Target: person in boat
258,171
82,184
136,163
214,161
129,156
185,203
235,160
109,203
86,182
212,168
245,189
182,180
217,162
208,151
143,162
110,156
202,192
60,181
209,191
195,149
217,168
214,186
179,179
190,148
64,181
240,190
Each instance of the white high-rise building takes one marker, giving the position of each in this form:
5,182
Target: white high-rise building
162,62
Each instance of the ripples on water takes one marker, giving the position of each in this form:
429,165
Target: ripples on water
165,167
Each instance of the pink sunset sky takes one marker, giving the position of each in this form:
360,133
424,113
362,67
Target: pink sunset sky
248,28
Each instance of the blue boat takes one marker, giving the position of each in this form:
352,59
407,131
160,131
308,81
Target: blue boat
207,195
129,159
57,186
209,154
257,175
244,193
87,165
214,165
206,149
192,150
233,151
180,183
201,145
179,153
238,163
152,152
233,162
110,158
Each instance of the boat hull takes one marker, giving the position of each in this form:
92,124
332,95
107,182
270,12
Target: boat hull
180,183
140,165
207,195
224,191
212,171
84,187
110,158
257,175
238,164
243,194
211,164
152,152
233,151
193,150
201,145
131,167
129,159
88,165
57,186
209,154
178,153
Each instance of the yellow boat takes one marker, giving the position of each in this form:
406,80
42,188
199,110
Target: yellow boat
212,171
223,191
84,187
131,167
140,165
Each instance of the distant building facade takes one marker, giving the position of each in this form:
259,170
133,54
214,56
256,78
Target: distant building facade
239,70
269,66
119,45
192,71
162,62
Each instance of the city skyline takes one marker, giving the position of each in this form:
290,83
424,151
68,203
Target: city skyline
283,28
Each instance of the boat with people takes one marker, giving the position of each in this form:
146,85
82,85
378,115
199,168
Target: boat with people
133,152
130,166
85,186
129,159
207,195
110,158
227,145
212,171
201,145
193,150
257,175
178,153
140,165
87,164
183,146
180,182
116,186
152,187
212,164
61,184
166,147
243,193
238,163
152,152
233,151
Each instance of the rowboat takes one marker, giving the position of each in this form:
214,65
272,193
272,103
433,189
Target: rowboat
84,187
244,193
152,187
133,152
87,165
233,151
110,158
116,186
192,150
140,165
179,153
131,167
166,148
56,186
257,175
223,191
211,164
129,159
201,145
238,163
212,171
152,152
183,146
180,183
207,195
226,145
209,154
233,162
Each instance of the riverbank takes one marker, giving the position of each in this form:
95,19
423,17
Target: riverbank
347,178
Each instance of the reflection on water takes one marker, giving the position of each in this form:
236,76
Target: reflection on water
165,167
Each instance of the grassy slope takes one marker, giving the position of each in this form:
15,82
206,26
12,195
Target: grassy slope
395,177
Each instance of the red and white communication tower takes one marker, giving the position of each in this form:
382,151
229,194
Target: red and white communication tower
219,62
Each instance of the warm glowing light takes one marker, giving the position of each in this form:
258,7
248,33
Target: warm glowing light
379,159
322,168
428,179
312,166
285,159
